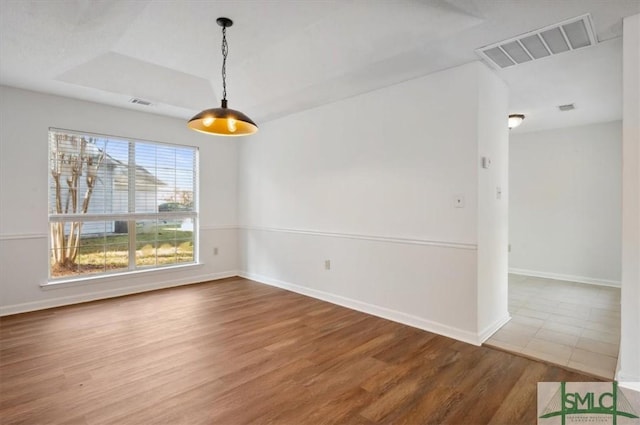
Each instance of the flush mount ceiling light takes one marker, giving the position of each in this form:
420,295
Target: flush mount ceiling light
223,121
515,120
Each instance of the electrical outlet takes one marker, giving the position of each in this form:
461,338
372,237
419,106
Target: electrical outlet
327,264
458,201
215,251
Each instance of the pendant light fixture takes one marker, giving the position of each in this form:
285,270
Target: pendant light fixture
223,121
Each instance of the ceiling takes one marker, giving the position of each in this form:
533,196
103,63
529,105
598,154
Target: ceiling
291,55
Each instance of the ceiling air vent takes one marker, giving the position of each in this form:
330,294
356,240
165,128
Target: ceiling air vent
548,41
139,102
567,107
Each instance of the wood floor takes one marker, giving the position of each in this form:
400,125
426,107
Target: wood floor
236,352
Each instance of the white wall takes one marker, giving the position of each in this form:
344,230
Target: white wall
493,204
24,121
566,203
629,360
369,183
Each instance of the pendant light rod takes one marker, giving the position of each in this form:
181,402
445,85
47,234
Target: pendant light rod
224,23
223,121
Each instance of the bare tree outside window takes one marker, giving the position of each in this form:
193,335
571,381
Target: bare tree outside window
72,158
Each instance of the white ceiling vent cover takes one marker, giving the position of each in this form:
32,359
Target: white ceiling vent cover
558,38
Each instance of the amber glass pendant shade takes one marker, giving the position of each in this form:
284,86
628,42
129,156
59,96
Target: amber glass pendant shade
223,122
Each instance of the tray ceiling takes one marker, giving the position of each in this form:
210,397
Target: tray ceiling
288,55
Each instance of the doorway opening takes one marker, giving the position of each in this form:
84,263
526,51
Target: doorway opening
565,239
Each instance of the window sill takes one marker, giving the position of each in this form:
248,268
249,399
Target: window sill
112,277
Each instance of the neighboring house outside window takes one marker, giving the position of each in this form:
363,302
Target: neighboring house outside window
118,205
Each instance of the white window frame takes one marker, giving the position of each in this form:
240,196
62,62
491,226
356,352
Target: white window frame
130,217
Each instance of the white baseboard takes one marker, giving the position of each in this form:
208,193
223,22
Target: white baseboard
634,386
118,292
567,277
628,381
486,333
386,313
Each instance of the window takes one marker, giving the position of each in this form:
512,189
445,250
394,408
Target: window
119,205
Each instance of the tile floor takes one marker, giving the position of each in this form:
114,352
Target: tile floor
572,324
